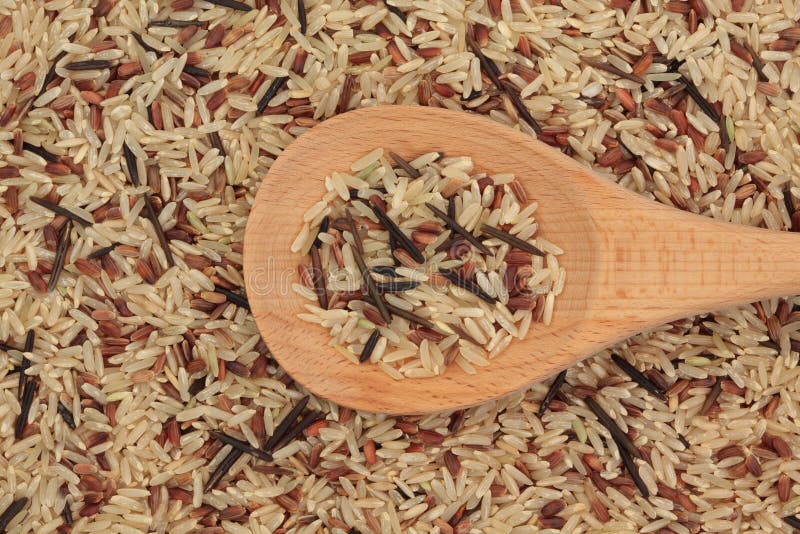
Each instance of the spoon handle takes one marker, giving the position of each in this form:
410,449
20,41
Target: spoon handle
663,264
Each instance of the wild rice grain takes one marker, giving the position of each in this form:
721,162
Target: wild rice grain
273,89
318,277
25,406
712,397
405,165
233,4
369,346
66,414
11,512
64,242
511,240
619,436
457,228
402,239
286,423
306,421
638,377
170,23
24,363
102,251
55,208
301,16
552,391
633,470
162,238
90,64
242,446
222,469
40,151
466,284
792,521
234,298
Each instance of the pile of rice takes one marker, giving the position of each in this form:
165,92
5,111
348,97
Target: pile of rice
463,327
147,368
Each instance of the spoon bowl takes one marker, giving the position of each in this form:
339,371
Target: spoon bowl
631,263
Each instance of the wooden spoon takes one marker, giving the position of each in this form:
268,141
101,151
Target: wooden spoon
631,263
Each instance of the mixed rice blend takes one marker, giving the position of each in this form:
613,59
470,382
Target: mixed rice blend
449,268
137,395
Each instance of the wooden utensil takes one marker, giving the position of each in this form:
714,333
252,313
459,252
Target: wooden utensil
631,263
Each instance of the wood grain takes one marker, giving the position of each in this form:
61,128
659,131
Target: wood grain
631,263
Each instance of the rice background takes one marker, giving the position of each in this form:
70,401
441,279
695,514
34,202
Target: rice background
148,359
